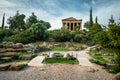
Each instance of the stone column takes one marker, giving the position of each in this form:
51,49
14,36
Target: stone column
70,26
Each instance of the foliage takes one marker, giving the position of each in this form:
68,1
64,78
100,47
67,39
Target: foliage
17,22
5,33
61,35
59,49
60,60
38,30
80,38
31,20
114,36
22,37
3,20
87,25
47,24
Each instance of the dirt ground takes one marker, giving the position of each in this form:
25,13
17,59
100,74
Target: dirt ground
57,72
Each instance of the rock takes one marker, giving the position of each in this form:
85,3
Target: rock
3,51
52,55
57,45
44,44
8,44
17,66
68,44
6,59
1,46
42,69
18,45
68,56
92,70
71,49
15,50
117,77
4,67
26,57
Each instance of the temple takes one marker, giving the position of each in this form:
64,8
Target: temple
72,24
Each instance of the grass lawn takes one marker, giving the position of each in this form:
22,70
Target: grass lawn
60,60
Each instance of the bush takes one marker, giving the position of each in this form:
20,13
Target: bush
5,33
38,30
22,37
60,35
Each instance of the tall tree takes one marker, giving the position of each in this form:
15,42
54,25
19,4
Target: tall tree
17,21
96,20
91,19
3,20
31,20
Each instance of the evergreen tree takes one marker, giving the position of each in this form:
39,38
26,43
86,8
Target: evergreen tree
111,20
96,20
3,20
91,19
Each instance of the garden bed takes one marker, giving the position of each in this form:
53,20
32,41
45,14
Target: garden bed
60,60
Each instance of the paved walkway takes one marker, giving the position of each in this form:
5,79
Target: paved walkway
37,61
82,57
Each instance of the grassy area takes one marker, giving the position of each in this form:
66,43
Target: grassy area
100,59
59,49
60,60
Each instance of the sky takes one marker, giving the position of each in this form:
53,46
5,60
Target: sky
54,11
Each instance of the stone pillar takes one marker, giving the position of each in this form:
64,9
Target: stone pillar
70,26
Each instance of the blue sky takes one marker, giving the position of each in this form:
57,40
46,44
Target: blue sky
55,10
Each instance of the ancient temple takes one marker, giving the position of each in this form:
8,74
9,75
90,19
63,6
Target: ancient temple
72,24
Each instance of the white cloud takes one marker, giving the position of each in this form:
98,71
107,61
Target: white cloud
5,3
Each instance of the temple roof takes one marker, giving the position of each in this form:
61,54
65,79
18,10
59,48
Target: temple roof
71,19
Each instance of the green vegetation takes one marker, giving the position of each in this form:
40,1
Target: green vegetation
59,49
59,60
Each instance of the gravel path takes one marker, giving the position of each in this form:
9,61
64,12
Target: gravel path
56,72
60,71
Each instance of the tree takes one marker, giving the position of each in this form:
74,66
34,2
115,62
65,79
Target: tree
89,23
47,24
17,22
31,20
111,20
38,31
91,19
96,21
114,36
3,20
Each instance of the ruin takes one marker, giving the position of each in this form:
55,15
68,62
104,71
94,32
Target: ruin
72,24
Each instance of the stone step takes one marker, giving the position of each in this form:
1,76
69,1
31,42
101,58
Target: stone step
6,58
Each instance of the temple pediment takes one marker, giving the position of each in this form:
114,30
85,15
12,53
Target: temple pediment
70,19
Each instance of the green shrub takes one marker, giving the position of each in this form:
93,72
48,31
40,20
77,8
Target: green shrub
5,33
22,37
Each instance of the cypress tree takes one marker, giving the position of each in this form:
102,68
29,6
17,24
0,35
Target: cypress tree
3,20
91,19
96,21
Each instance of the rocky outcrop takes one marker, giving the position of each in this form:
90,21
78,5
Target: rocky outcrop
17,66
4,67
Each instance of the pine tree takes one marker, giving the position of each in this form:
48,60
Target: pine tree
3,20
91,19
